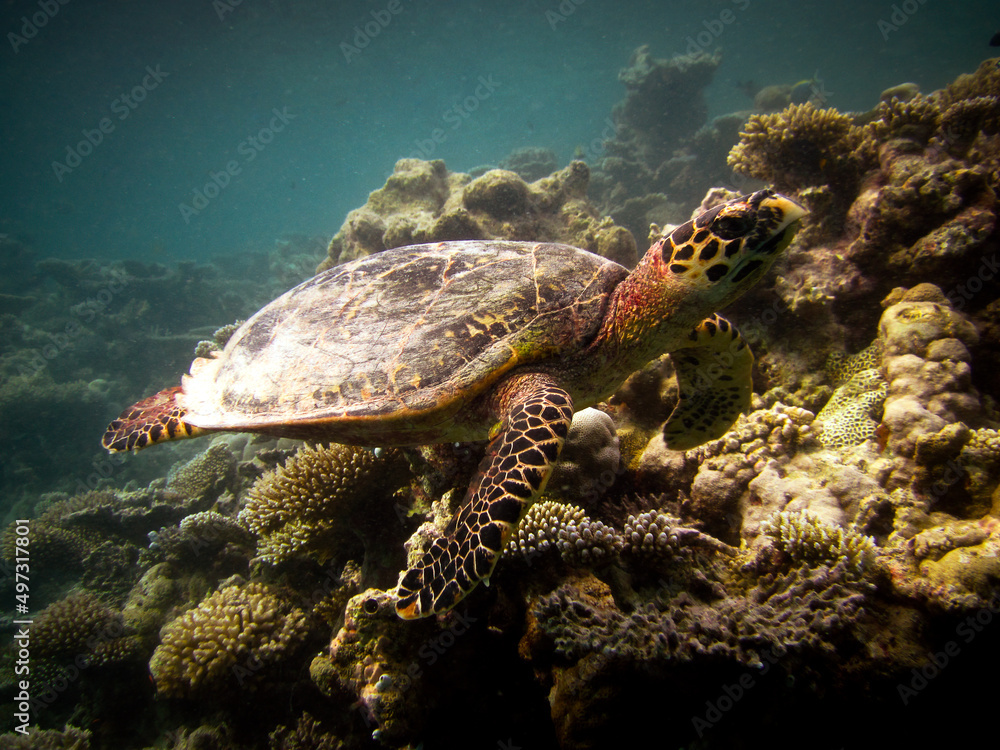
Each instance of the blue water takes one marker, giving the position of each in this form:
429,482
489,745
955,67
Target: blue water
207,78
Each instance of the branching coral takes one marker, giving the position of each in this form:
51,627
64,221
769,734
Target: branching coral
802,146
806,538
549,525
206,475
801,611
228,639
322,499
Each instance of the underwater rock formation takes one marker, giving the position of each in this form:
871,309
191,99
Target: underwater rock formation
423,202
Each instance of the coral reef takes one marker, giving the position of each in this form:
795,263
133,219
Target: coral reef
802,146
803,536
566,529
233,638
324,501
423,202
590,460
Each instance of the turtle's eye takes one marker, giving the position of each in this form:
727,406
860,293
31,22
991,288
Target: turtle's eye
731,226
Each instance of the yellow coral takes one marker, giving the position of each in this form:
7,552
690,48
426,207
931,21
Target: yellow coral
226,640
320,499
804,536
800,146
849,417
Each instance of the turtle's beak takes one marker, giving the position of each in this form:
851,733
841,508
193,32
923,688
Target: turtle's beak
785,206
777,221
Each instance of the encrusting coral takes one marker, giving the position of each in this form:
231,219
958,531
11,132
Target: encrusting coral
230,639
324,501
851,416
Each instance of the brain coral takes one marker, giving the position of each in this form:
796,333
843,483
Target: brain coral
322,499
226,641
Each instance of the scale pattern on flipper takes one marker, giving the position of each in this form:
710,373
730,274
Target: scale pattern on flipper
714,382
152,420
513,473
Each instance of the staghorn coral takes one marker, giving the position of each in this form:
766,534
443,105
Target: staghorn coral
851,415
423,202
805,537
230,638
965,120
656,534
917,119
802,146
323,501
307,734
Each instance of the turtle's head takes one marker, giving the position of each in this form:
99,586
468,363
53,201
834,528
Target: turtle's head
724,251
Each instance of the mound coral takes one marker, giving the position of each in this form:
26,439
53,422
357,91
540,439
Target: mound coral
590,460
423,202
323,501
231,638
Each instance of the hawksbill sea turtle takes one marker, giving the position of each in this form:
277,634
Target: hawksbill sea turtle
464,341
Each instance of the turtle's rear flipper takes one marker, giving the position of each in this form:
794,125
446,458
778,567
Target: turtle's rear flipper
536,418
152,420
713,375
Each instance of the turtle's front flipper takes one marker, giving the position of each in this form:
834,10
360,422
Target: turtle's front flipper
535,416
152,420
713,375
